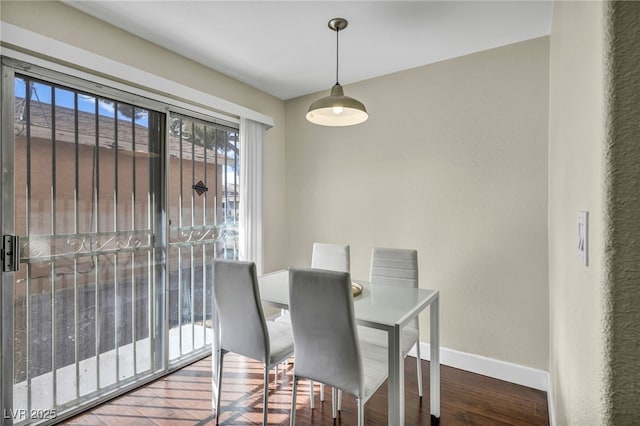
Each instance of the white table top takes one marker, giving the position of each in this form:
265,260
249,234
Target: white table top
379,306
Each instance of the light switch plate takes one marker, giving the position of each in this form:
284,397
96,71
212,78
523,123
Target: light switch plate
583,237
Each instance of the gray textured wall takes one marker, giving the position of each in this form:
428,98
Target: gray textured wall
622,157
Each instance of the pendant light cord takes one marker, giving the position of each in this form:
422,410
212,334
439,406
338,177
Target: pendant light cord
337,56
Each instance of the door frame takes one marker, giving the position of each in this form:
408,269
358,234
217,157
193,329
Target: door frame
6,227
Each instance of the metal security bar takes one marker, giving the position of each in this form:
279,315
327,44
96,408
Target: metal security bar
86,174
119,211
203,172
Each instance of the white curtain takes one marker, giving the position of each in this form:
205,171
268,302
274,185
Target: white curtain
251,165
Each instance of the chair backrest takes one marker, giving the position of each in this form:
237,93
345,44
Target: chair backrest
325,336
332,257
394,267
243,328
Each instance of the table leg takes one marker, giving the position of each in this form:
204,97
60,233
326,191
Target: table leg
396,379
435,360
215,360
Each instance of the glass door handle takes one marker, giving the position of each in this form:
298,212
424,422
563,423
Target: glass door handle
10,253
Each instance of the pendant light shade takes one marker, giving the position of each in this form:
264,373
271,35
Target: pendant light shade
337,109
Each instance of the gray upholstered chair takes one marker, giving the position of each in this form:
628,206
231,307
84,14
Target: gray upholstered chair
390,266
242,325
332,257
326,338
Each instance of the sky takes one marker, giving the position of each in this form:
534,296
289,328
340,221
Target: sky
43,93
65,98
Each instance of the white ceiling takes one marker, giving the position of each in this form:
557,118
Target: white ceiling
286,49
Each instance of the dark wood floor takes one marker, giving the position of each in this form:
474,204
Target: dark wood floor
184,398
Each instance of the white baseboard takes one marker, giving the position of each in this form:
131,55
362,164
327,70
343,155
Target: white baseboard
509,372
550,405
514,373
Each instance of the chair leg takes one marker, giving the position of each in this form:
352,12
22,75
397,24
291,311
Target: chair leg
419,368
321,392
275,379
360,412
219,383
311,402
339,400
334,412
266,395
292,418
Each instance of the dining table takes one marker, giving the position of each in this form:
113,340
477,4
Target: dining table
388,308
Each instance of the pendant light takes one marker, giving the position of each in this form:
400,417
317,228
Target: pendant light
337,109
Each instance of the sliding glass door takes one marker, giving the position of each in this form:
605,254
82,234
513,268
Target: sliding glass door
86,183
203,200
112,210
